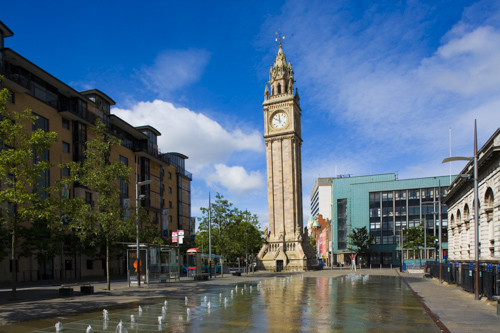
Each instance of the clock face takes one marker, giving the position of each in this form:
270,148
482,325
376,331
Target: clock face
279,120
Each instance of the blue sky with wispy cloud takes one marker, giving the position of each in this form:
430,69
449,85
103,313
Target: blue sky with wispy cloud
381,82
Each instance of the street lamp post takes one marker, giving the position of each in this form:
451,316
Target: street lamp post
401,246
425,238
331,235
439,236
476,210
137,197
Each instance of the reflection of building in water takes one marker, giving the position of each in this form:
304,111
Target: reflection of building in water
354,303
285,303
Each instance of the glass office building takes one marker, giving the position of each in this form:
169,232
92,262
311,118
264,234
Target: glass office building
385,205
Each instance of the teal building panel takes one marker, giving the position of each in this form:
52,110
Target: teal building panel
356,191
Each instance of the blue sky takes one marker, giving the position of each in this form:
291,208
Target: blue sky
381,82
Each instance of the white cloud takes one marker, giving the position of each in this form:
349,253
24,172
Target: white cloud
202,139
174,69
467,65
236,179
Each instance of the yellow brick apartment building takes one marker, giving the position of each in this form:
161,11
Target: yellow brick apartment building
71,114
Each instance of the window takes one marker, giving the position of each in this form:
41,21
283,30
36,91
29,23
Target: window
169,190
170,218
65,171
68,265
88,199
81,107
90,264
42,182
342,223
123,184
170,204
169,175
43,91
65,147
65,123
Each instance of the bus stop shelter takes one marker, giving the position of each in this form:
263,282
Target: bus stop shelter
157,263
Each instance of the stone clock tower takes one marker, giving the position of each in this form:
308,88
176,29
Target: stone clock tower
288,247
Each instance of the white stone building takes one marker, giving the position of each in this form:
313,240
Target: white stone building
460,202
321,198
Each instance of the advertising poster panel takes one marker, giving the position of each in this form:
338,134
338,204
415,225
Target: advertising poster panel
133,265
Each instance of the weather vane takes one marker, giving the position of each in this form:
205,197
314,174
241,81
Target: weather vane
280,36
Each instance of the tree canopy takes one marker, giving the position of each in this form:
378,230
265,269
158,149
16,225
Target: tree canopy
234,232
106,222
360,240
24,167
415,240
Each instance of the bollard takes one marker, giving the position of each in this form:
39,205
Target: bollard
370,266
391,266
380,266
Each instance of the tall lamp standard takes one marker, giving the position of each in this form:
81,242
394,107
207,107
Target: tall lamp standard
476,210
137,197
401,246
331,235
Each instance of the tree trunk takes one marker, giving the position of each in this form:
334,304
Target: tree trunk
14,265
107,265
13,250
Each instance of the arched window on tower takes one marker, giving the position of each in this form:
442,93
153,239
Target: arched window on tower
279,88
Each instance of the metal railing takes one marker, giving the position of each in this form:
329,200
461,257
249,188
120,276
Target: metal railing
462,274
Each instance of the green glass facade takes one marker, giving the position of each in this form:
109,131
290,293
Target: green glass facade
384,205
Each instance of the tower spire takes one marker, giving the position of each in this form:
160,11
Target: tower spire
281,74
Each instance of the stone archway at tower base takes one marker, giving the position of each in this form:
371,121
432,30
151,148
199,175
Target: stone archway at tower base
297,257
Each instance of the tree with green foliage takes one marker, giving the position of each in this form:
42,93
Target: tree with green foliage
360,241
247,236
312,242
234,232
415,240
106,221
22,163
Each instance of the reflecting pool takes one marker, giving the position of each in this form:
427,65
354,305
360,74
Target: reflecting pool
350,303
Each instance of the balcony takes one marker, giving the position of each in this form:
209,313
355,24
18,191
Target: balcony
184,173
142,146
16,76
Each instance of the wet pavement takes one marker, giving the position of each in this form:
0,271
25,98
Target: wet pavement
328,300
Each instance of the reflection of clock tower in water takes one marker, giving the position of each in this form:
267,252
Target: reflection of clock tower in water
287,246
